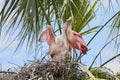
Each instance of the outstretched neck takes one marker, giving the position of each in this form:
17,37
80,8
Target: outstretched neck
64,33
68,31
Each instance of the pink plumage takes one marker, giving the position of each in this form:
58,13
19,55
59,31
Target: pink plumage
58,45
75,39
47,36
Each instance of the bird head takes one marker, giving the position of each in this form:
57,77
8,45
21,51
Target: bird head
69,19
69,23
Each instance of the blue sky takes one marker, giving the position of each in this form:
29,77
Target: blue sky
7,57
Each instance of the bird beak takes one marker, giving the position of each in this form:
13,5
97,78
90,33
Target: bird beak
69,22
69,19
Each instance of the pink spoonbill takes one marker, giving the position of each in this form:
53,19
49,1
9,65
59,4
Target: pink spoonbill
59,47
74,38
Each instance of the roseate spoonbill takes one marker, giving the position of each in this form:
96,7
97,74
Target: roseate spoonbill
58,46
74,38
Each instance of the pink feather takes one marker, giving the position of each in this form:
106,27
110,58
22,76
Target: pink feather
47,36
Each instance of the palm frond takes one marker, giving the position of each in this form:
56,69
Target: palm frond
114,31
111,4
114,57
103,26
91,30
102,49
83,16
29,17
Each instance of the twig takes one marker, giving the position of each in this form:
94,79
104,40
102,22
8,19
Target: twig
110,60
7,72
102,49
102,27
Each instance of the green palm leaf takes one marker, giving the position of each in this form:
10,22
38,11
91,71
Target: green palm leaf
30,16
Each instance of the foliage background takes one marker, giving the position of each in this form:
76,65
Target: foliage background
94,19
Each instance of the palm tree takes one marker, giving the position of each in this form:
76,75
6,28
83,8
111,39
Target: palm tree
30,17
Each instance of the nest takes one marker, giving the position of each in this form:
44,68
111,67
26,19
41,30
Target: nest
50,70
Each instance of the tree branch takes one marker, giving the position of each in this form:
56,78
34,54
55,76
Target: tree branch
102,49
102,27
110,60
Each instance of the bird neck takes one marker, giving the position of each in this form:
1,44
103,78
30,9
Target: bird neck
69,30
64,34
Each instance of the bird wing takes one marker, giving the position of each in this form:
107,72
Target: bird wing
47,36
79,38
80,42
